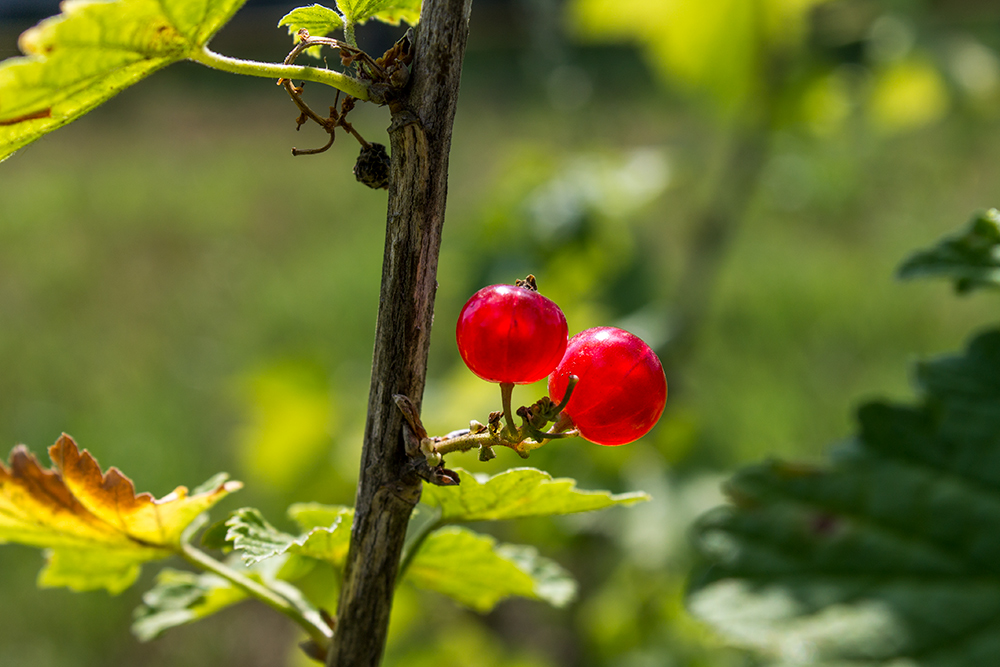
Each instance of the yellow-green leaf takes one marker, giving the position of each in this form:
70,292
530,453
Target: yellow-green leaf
317,19
327,534
390,11
478,573
328,531
516,494
401,10
98,529
92,50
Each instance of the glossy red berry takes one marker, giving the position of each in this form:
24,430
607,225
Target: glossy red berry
621,390
511,334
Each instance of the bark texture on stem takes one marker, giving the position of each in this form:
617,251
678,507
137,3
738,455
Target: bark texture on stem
420,137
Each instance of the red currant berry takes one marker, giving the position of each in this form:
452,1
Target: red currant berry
511,334
621,390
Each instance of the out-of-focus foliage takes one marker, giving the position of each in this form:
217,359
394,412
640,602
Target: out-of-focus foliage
722,48
816,60
883,556
290,424
971,259
907,94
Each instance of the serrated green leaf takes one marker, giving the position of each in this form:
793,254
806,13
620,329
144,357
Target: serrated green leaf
327,538
255,539
476,572
327,531
518,493
390,11
889,556
971,258
91,51
179,598
317,19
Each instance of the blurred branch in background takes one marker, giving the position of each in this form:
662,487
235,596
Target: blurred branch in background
733,57
768,67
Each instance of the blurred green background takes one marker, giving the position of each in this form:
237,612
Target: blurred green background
733,180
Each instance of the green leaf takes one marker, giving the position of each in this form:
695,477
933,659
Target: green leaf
390,11
90,569
77,60
971,258
518,493
179,598
400,10
476,572
316,515
317,19
97,529
254,537
552,583
327,538
888,556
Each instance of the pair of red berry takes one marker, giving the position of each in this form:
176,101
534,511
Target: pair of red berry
511,334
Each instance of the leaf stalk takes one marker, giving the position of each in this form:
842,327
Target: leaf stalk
320,634
348,84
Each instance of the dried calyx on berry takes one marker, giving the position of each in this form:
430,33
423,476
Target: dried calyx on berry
372,167
528,283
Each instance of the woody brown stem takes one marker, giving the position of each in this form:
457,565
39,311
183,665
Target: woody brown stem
420,135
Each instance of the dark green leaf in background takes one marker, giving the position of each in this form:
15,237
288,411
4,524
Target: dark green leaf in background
889,556
971,258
